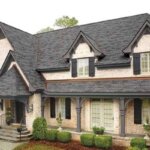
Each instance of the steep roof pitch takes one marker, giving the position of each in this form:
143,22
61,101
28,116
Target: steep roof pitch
25,53
12,85
110,36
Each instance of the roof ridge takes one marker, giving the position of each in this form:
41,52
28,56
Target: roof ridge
77,26
15,28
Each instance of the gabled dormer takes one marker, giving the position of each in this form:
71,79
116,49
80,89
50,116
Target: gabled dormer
82,55
139,48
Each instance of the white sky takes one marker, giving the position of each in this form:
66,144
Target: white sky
33,15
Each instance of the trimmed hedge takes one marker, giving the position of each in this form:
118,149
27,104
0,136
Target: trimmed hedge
64,137
98,130
138,142
87,140
39,128
51,135
103,141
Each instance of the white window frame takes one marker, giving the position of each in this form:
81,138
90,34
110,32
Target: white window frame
83,64
145,70
145,110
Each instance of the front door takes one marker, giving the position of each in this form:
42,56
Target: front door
20,112
102,114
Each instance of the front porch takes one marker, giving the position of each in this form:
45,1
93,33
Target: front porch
117,115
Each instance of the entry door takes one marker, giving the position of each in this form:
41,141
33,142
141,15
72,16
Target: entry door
102,114
20,112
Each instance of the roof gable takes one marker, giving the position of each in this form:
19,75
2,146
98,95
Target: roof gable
145,29
83,38
12,84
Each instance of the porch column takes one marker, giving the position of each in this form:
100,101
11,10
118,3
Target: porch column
78,109
122,116
42,106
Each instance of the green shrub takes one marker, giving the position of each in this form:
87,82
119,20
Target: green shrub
103,141
39,128
98,130
64,137
138,142
133,148
51,135
87,140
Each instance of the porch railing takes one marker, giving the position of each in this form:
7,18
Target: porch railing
2,120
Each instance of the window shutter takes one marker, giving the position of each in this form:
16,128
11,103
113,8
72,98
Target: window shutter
136,63
68,108
137,111
74,68
52,107
91,67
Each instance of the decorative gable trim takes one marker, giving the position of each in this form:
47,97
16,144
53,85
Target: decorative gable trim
145,29
82,37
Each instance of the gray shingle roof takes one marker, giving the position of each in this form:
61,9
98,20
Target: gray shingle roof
100,86
111,37
11,84
25,53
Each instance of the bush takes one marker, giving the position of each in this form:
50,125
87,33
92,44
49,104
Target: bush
51,135
98,130
39,128
64,137
138,142
103,141
133,148
87,140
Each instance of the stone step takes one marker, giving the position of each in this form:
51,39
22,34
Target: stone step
14,139
14,131
15,135
10,133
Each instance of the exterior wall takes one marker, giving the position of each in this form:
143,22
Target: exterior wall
143,44
69,123
132,128
36,101
5,47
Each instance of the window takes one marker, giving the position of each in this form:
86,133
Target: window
102,113
61,107
83,67
145,62
145,110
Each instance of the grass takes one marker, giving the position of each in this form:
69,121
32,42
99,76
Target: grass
35,147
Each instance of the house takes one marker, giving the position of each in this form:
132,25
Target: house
95,75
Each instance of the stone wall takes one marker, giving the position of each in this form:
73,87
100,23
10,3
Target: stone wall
85,115
36,101
132,128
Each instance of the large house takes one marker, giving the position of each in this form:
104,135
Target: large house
96,74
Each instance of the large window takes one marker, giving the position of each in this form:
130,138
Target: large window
145,110
83,67
145,62
102,113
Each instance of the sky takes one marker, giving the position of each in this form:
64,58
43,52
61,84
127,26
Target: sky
33,15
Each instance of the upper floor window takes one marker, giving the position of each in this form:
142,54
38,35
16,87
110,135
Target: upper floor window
145,63
83,67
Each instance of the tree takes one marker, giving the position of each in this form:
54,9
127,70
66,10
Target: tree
66,21
45,30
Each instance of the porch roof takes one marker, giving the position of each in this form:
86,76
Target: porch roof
107,87
12,85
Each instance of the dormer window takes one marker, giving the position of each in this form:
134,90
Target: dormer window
145,62
83,67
